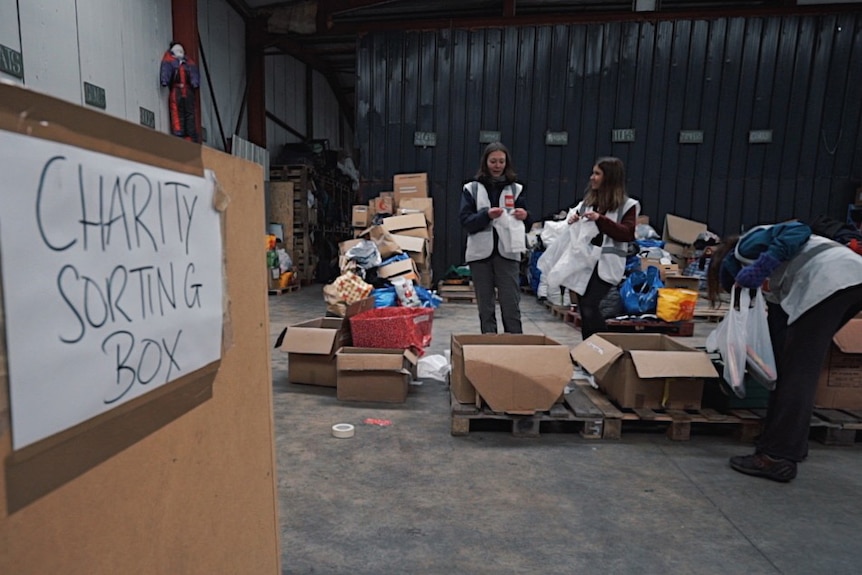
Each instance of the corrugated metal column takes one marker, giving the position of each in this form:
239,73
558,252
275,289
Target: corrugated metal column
256,79
185,17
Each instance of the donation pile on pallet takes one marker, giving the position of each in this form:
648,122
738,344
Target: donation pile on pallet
379,310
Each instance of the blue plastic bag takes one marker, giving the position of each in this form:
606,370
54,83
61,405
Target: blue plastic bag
639,291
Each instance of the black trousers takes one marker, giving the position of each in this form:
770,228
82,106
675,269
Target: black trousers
800,350
592,320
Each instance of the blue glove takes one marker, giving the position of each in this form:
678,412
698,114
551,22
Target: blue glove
753,275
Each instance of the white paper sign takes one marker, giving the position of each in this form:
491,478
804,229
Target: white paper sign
112,281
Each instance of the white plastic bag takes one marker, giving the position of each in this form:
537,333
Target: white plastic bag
433,367
729,339
511,232
760,358
575,266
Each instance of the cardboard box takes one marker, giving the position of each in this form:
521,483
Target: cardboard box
679,235
405,268
416,248
408,225
840,385
664,270
311,346
409,186
647,370
361,217
426,205
366,374
384,203
643,220
684,282
492,367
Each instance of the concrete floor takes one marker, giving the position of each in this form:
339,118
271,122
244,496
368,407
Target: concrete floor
410,498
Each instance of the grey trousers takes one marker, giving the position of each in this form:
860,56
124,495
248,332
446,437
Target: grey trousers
504,275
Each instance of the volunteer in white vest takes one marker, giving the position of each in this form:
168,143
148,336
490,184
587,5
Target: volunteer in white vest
812,286
494,214
615,214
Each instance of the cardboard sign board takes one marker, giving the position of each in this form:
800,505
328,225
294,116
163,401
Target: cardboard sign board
123,267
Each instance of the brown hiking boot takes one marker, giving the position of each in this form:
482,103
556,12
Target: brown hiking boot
762,465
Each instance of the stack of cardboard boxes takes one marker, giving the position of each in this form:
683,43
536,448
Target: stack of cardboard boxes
320,353
409,219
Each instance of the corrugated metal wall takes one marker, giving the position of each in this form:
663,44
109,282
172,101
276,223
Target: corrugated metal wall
799,76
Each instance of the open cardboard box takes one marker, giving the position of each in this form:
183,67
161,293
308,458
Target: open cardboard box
311,346
840,384
492,367
371,374
407,225
679,235
647,370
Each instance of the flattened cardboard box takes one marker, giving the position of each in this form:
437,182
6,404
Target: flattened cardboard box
401,268
679,235
407,225
492,367
425,205
382,375
840,384
650,371
311,346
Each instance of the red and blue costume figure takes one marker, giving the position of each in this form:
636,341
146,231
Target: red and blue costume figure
183,78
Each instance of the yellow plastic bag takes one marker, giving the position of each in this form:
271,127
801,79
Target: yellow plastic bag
676,304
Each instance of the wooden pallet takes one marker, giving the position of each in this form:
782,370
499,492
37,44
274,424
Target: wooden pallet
467,416
280,291
458,299
836,426
589,412
677,328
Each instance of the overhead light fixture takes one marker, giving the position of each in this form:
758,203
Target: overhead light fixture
645,5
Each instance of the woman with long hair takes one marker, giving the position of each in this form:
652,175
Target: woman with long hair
813,286
615,214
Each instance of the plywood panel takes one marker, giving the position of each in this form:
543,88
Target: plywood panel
195,494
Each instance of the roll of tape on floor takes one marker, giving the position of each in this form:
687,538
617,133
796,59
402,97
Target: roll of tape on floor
342,430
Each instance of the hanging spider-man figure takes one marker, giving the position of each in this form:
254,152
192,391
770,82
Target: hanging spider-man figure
182,76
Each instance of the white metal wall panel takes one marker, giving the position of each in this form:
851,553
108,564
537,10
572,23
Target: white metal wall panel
285,98
101,49
222,34
49,39
9,35
145,40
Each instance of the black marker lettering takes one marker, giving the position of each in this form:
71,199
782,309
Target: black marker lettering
196,287
77,315
39,199
121,367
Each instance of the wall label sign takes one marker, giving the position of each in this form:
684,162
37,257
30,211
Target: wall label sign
11,62
556,138
148,117
623,135
488,136
425,139
95,96
691,136
760,137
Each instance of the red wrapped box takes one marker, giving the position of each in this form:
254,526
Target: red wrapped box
393,328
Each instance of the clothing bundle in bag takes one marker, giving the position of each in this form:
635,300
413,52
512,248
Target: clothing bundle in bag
742,338
639,291
511,232
576,264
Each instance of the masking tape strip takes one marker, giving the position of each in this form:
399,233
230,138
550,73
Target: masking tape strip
343,430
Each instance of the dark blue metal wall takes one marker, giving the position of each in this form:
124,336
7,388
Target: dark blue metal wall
799,76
